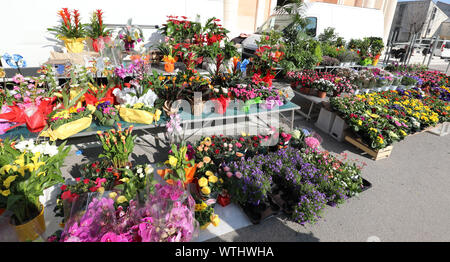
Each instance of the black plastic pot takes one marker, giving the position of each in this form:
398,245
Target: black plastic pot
264,210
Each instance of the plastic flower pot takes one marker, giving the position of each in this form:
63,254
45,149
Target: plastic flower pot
74,45
321,94
305,90
32,229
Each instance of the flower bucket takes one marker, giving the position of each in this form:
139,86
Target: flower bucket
32,229
139,116
69,129
74,45
1,211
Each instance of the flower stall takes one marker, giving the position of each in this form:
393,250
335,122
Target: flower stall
114,198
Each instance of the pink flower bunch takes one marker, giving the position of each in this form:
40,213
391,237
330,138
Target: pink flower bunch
167,216
312,142
242,93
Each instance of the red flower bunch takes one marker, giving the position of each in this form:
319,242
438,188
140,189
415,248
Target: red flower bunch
70,26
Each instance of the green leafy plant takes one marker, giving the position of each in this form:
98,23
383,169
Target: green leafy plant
117,145
26,176
96,28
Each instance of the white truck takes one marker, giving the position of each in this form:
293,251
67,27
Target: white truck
349,22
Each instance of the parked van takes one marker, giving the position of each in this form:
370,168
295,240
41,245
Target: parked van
349,22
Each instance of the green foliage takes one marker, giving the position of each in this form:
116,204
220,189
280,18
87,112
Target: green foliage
117,145
24,177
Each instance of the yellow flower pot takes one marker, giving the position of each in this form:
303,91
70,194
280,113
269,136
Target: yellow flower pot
205,226
32,229
74,45
69,129
139,116
375,61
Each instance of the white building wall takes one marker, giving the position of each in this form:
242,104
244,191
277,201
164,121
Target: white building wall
24,23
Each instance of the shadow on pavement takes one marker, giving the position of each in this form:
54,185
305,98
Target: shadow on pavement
273,227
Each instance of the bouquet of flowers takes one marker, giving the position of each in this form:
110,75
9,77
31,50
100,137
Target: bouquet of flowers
166,216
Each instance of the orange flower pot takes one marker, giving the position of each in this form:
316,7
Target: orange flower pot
321,94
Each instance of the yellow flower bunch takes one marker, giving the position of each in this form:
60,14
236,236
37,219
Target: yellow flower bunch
200,207
62,114
20,165
203,182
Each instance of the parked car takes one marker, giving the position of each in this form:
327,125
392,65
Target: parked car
445,50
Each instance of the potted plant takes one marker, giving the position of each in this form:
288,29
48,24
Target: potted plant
408,81
106,114
323,87
130,34
179,166
96,30
117,145
24,179
71,31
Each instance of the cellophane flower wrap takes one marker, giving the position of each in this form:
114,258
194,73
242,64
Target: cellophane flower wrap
166,216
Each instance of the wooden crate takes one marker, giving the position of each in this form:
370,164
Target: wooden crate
375,154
